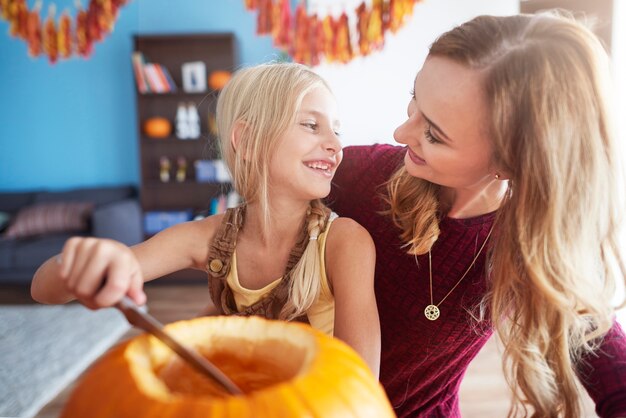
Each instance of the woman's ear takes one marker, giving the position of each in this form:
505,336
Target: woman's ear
498,172
501,175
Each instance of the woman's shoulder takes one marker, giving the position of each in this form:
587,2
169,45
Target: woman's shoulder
368,165
365,155
361,177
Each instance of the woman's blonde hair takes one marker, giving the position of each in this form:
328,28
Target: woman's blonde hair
261,102
552,267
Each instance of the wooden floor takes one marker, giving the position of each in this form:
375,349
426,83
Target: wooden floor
484,392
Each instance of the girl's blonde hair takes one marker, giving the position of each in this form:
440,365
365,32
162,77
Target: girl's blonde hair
552,267
261,103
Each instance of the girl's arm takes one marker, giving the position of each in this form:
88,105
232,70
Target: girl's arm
350,260
98,272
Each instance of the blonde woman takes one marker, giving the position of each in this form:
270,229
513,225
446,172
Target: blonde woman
282,254
498,213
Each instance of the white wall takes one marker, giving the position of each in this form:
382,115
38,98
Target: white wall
373,103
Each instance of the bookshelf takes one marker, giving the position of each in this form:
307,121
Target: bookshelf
170,201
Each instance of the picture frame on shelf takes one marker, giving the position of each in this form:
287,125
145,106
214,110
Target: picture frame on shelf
194,77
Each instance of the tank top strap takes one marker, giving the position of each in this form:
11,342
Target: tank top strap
220,257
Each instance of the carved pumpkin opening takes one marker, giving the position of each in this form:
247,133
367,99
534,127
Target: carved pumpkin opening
253,363
285,370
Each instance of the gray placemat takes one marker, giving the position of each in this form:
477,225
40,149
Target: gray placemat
44,348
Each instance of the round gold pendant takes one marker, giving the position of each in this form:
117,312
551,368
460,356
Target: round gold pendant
431,312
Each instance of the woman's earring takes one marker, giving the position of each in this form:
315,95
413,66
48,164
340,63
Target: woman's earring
496,176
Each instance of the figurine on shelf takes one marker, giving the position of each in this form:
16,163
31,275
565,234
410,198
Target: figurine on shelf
182,122
181,172
193,120
164,172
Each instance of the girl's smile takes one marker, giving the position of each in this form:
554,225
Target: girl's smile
325,168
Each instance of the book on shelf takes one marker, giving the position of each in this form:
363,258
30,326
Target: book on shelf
151,77
164,78
154,80
140,77
168,77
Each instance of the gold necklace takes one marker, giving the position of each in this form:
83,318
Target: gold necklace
432,311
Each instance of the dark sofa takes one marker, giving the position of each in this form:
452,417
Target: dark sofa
116,214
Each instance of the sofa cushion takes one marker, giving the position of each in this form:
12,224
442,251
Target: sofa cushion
120,221
49,218
98,195
20,258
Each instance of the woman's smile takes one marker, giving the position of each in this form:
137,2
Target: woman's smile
415,158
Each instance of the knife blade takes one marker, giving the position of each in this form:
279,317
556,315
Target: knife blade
147,322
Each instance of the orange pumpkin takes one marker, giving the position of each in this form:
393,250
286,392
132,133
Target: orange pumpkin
285,370
157,127
218,79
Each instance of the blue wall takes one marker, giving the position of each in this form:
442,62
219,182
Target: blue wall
73,124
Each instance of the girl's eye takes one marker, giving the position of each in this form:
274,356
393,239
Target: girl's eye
430,137
412,93
337,133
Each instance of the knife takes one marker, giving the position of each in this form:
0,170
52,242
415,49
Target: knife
147,322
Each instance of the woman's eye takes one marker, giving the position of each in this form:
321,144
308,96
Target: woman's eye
412,93
309,125
430,137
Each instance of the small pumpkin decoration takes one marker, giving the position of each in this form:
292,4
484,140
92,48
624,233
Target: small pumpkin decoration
218,79
157,127
284,369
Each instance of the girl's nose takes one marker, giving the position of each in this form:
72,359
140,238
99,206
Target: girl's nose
332,143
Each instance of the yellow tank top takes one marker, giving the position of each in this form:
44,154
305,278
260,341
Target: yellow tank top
321,314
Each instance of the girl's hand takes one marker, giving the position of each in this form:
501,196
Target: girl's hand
99,272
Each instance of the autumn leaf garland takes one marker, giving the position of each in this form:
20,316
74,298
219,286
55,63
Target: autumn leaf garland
309,39
65,37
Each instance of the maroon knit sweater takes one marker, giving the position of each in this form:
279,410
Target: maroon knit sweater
422,361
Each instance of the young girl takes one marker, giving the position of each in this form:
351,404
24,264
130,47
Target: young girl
282,254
